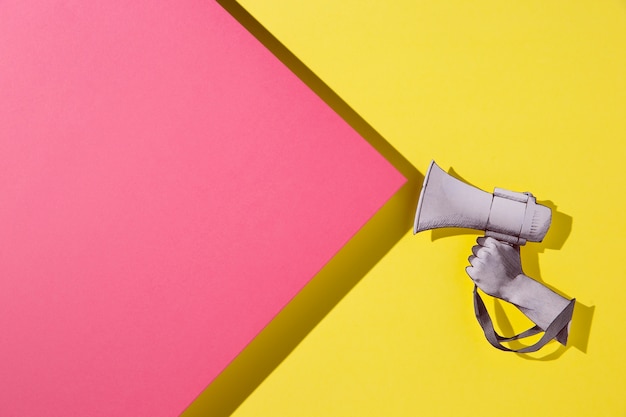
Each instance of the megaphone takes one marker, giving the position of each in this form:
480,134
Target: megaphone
508,216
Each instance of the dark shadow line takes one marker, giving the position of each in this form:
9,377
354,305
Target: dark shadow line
308,308
281,336
321,89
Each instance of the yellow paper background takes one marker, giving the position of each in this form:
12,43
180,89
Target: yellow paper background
528,96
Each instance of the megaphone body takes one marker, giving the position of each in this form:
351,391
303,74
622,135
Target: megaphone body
508,216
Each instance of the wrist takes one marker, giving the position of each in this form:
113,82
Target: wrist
516,289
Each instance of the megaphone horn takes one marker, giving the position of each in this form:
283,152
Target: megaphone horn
508,216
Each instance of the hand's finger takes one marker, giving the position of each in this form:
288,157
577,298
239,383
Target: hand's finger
470,270
475,261
476,250
487,241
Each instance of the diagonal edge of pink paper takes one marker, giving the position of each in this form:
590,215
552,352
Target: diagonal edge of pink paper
166,187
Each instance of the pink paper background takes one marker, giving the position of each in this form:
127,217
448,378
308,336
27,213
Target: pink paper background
166,187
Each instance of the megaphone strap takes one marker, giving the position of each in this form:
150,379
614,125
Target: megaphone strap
554,330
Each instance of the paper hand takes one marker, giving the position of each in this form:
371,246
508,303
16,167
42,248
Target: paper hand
496,269
494,266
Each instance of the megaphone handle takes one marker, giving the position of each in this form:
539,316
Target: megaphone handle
551,332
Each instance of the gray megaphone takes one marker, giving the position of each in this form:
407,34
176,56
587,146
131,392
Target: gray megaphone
508,216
